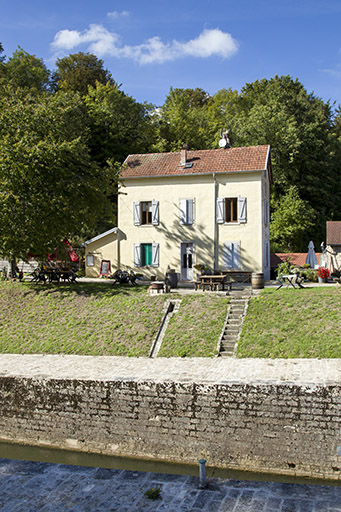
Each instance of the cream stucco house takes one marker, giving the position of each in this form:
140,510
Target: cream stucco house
207,207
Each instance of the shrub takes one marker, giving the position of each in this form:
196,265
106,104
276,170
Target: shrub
310,274
284,268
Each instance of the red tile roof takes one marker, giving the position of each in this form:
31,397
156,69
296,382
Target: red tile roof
205,161
296,258
334,232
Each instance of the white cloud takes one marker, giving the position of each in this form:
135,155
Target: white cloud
115,14
334,72
99,40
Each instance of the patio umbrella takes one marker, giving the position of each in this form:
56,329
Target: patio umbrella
311,256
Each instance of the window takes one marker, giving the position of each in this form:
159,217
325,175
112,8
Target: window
146,255
231,254
186,207
231,209
146,213
90,260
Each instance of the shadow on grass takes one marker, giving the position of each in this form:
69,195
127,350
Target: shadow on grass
83,289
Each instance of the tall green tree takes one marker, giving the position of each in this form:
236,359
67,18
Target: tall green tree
25,70
78,71
119,124
183,119
290,222
49,186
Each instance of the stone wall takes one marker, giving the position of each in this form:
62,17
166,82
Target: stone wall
276,427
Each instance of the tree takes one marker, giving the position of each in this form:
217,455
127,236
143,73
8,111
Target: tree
26,70
290,222
2,57
78,71
119,125
49,187
183,120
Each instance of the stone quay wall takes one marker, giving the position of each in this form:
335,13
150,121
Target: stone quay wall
160,410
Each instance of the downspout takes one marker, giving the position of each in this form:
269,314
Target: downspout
215,229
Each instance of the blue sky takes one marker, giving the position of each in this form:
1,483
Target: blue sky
151,45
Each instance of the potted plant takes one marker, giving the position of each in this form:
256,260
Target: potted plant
323,274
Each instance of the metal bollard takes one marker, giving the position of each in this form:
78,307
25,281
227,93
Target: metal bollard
202,474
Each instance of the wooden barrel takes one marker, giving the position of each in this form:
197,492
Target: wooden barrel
172,278
257,280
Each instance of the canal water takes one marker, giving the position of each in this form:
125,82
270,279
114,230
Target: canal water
58,456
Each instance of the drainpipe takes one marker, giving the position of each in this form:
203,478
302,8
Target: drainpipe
215,228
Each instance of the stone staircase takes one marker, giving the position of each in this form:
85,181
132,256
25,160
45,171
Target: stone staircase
233,324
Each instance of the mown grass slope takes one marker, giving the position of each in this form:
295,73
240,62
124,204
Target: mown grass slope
289,323
84,318
194,331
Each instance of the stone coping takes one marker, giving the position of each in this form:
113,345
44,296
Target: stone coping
194,370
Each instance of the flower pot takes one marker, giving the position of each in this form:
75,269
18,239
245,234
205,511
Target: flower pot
322,280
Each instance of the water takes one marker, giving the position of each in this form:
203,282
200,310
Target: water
58,456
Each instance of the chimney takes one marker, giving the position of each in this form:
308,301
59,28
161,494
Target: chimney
183,154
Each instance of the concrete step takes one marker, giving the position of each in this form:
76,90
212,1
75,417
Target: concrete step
228,347
231,329
232,338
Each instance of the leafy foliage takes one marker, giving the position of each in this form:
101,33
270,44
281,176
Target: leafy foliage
25,70
78,71
290,221
49,186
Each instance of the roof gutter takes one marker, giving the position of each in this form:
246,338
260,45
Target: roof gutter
190,174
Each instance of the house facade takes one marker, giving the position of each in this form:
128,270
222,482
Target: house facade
208,207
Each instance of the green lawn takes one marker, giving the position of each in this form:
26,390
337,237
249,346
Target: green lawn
194,330
84,318
293,323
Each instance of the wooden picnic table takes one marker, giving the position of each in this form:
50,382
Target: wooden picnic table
239,276
213,282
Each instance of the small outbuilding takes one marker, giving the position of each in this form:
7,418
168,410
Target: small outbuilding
103,247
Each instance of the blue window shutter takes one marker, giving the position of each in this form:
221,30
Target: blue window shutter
137,255
190,211
155,213
266,212
231,254
242,209
183,211
228,254
155,254
137,213
220,210
236,255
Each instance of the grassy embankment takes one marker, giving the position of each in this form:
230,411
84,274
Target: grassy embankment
293,323
100,319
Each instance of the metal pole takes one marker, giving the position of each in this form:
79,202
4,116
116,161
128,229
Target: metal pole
202,474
